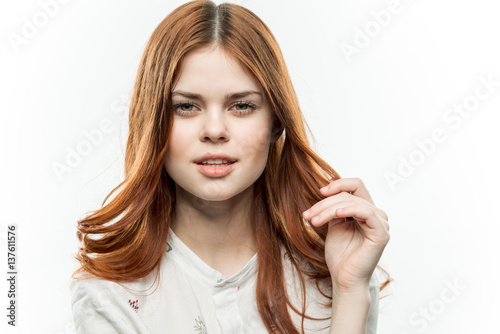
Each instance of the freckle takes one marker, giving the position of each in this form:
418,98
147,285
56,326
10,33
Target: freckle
238,288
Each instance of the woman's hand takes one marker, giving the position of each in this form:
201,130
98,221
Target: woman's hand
352,248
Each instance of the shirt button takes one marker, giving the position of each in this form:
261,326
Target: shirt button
220,282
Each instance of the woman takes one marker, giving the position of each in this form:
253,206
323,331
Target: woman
224,221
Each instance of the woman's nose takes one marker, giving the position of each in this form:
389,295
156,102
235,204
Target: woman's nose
214,127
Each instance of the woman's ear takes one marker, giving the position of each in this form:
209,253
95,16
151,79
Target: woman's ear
277,130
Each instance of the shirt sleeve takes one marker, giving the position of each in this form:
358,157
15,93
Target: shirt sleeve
98,308
371,323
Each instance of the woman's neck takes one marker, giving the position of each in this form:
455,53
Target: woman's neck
220,232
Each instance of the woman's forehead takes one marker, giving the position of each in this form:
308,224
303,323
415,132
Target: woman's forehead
209,68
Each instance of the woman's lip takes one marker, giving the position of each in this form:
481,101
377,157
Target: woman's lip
214,156
222,163
205,160
215,171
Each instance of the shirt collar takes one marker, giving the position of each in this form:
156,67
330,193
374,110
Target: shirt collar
197,268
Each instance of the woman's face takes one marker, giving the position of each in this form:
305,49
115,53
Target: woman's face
229,115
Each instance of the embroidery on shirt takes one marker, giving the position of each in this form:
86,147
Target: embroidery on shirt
134,304
169,248
200,326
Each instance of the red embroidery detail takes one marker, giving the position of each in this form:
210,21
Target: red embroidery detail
134,304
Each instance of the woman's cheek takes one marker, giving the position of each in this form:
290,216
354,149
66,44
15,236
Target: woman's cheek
255,143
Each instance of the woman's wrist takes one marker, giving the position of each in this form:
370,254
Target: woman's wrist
350,311
356,290
351,293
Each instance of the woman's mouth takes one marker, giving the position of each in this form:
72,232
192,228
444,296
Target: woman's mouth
216,163
215,168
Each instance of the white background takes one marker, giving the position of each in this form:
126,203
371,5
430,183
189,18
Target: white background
367,112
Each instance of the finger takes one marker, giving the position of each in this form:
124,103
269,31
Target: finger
352,185
382,214
327,207
328,213
372,222
324,204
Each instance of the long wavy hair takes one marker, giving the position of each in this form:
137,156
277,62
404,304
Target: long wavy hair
126,238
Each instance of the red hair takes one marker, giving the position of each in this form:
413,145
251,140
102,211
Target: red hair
131,246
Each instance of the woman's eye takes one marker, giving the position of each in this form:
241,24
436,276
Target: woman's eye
186,108
186,105
246,107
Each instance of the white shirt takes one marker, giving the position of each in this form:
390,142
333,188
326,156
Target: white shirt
192,297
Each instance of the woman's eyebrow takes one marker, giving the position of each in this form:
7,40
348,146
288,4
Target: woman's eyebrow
230,96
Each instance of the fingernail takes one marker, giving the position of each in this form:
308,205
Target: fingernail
315,219
324,188
307,212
